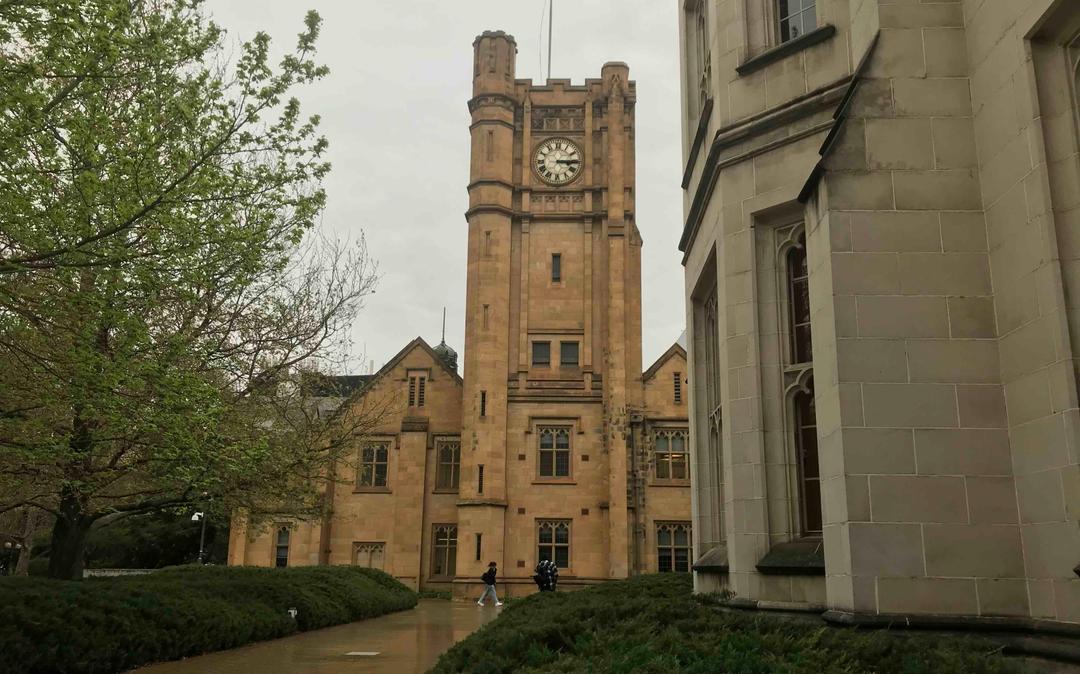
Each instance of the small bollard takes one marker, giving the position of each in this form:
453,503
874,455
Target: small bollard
293,613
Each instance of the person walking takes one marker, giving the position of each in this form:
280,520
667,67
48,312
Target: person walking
489,585
547,575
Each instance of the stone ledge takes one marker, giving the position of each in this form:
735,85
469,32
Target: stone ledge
804,557
933,621
715,560
786,49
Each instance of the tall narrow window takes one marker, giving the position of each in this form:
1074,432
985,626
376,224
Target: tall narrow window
479,545
670,455
554,452
374,457
281,547
673,545
553,542
444,551
486,307
568,354
807,447
490,150
799,299
369,555
417,389
483,403
677,377
480,479
556,267
797,17
448,471
487,243
541,353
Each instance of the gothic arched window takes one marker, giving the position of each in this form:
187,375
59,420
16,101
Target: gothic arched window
281,546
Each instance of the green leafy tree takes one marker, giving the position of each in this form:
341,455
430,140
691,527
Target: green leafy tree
162,280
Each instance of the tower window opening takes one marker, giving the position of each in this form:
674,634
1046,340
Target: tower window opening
480,479
556,267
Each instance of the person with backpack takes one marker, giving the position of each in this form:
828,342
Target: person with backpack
489,585
547,575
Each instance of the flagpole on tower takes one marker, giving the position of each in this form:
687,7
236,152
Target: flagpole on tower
551,20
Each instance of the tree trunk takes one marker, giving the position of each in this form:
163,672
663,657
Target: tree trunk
30,520
66,555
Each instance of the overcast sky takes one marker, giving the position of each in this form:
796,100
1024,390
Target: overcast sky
393,109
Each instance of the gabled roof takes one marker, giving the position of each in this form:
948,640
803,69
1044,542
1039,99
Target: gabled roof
416,343
674,350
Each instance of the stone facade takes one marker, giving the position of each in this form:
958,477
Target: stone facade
900,180
563,446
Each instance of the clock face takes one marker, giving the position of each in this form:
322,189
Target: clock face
558,161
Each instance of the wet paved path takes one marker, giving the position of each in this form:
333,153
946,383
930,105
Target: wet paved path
406,642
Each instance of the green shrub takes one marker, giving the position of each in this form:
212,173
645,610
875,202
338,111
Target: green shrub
104,625
652,624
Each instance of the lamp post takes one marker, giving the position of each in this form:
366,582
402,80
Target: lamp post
201,517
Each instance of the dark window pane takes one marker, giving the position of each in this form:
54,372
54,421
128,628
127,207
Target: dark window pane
785,30
804,348
784,8
568,353
546,535
662,467
663,537
541,353
681,537
678,466
664,561
380,475
809,18
677,444
562,558
547,440
562,464
812,490
381,453
562,534
682,559
809,453
556,267
562,440
368,454
367,471
547,462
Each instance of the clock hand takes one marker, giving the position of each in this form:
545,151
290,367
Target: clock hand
566,161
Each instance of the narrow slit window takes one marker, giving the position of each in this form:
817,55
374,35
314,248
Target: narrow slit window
421,391
678,387
412,391
556,267
483,403
480,479
479,545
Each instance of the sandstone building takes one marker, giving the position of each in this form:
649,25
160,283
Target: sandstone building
882,264
555,444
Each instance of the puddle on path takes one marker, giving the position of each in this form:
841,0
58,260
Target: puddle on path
402,643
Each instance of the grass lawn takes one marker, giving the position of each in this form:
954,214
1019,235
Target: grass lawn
652,624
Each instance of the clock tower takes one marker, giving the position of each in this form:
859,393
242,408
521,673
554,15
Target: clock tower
552,358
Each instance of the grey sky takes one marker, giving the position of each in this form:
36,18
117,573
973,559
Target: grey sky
393,109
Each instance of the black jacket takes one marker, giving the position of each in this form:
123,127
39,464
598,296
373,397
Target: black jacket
489,576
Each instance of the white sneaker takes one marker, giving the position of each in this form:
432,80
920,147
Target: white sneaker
479,603
498,603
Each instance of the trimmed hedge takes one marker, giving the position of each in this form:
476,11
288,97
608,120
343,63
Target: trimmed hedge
652,624
102,625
